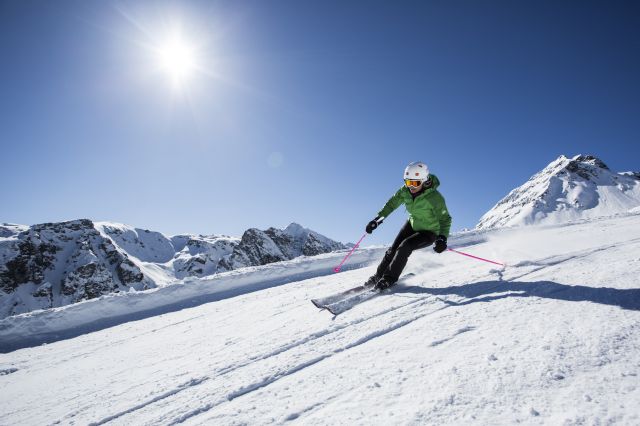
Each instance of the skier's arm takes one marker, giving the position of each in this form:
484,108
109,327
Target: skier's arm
394,202
444,218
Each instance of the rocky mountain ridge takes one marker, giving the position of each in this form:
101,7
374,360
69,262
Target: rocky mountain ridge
55,264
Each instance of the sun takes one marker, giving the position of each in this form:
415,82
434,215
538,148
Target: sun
177,59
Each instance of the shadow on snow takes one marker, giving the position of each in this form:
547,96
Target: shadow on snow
488,291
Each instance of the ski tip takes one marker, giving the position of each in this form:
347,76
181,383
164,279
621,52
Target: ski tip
322,307
331,312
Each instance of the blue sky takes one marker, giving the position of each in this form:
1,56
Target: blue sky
303,111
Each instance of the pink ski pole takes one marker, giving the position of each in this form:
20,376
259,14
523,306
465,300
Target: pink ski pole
476,257
337,268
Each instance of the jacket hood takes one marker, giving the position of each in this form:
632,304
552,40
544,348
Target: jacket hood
435,182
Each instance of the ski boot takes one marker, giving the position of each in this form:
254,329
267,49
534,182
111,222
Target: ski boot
383,283
372,281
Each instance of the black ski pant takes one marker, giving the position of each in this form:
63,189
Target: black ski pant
395,259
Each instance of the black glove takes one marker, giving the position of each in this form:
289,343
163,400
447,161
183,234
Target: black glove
441,244
372,225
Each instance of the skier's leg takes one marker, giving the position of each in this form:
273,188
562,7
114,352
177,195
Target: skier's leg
405,231
414,242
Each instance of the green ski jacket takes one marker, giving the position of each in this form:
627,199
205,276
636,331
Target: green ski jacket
428,212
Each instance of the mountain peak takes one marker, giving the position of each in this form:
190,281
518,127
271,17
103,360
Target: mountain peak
565,190
295,229
586,166
591,160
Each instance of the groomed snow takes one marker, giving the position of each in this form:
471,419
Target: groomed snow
553,338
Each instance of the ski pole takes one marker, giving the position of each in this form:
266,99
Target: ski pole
337,268
476,257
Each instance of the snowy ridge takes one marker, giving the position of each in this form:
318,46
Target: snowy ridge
9,230
553,338
55,264
566,190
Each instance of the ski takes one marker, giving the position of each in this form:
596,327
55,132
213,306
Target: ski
340,306
345,300
333,298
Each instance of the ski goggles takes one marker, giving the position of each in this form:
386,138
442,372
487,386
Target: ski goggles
413,183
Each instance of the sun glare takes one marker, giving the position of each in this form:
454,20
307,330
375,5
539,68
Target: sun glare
177,58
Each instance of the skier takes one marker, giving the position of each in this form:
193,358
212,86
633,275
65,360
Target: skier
429,221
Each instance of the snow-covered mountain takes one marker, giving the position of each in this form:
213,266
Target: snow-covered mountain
55,264
273,245
567,189
551,339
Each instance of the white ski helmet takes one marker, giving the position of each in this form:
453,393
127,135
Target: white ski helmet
416,171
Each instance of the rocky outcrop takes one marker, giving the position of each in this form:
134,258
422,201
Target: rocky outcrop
200,255
273,245
62,263
31,262
256,248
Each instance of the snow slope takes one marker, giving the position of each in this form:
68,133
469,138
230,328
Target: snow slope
567,189
553,338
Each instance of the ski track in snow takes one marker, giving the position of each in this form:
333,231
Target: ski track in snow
180,388
456,342
246,389
290,370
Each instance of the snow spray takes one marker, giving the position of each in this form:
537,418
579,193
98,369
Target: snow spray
476,257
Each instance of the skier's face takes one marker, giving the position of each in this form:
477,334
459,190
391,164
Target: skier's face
415,189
